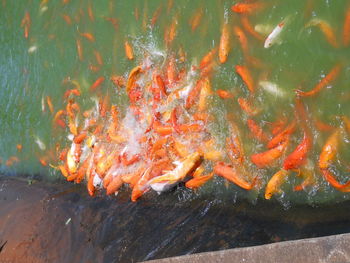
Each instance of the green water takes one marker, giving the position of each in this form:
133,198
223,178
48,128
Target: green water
34,68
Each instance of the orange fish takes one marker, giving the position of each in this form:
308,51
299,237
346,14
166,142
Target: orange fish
207,59
114,22
198,181
229,173
250,29
114,185
247,8
326,29
242,39
244,73
156,16
98,57
282,135
346,28
257,131
97,83
142,185
128,50
49,103
196,19
298,157
334,182
224,94
247,107
224,46
266,158
329,150
194,94
329,78
275,182
19,147
67,19
90,12
26,21
171,31
88,36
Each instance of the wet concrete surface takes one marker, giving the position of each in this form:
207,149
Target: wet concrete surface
331,249
59,222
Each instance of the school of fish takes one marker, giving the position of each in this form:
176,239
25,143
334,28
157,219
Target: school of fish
164,139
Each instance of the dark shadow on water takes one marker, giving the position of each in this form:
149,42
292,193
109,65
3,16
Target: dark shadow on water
61,223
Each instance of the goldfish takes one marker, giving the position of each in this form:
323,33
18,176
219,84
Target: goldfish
247,8
257,131
91,13
156,15
198,181
171,31
326,29
203,95
98,57
250,29
266,158
19,147
273,37
329,150
346,28
25,23
242,39
88,36
244,73
282,135
196,19
298,157
275,182
134,73
333,181
97,83
224,94
67,19
247,107
113,186
224,46
329,78
170,179
49,103
231,174
142,185
128,50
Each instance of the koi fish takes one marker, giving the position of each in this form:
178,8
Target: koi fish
242,39
282,135
88,36
257,131
329,78
273,37
170,179
198,181
247,107
326,29
156,15
329,150
250,29
128,50
346,28
113,186
224,94
275,182
224,46
196,19
247,8
333,181
134,73
268,157
244,73
97,83
298,157
229,173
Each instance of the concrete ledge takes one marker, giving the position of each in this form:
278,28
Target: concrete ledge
323,250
